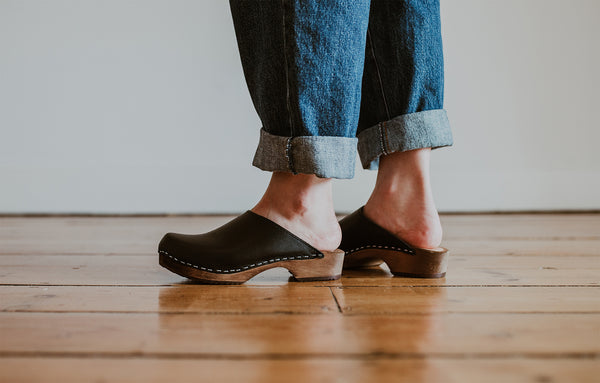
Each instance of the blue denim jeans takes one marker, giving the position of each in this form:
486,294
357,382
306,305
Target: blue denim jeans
328,77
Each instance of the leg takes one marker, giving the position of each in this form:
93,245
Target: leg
402,116
303,63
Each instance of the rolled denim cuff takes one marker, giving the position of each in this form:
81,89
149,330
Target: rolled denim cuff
427,129
323,156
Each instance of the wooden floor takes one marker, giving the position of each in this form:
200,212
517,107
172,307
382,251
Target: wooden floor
82,299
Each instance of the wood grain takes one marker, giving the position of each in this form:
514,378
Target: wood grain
296,335
419,300
77,370
140,235
293,298
144,270
298,299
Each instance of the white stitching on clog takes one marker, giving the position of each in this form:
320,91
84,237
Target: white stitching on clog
404,250
243,267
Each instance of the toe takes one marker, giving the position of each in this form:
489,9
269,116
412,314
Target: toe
169,243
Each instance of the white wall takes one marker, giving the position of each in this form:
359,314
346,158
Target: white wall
139,106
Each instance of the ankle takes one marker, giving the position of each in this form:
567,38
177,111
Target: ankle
302,204
418,225
405,167
297,195
402,200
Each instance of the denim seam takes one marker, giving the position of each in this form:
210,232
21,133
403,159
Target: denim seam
424,129
324,156
286,64
288,154
386,138
387,110
381,141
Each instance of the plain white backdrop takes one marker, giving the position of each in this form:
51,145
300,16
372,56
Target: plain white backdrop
140,106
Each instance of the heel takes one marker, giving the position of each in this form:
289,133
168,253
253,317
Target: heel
320,269
425,263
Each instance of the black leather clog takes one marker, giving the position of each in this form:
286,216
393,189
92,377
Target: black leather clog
367,244
244,247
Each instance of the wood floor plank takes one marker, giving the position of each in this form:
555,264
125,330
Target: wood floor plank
299,299
94,235
484,247
539,247
84,270
458,335
526,226
72,370
296,298
140,235
418,300
144,270
520,304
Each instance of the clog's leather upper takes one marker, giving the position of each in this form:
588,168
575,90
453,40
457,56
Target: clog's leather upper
359,232
248,241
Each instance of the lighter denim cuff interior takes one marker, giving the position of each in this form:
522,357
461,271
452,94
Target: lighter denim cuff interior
324,156
427,129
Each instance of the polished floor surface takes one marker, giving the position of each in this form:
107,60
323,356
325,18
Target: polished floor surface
82,299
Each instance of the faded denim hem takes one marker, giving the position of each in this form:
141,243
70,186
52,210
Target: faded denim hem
426,129
323,156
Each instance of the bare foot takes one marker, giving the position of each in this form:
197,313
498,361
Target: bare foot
402,201
303,205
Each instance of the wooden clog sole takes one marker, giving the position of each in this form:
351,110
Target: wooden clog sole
424,263
326,268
